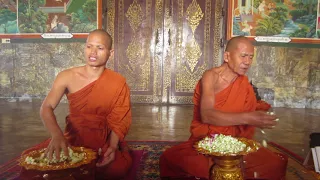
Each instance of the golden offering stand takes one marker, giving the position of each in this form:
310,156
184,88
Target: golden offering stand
228,166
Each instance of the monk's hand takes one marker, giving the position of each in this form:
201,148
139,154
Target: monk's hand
57,143
108,157
262,119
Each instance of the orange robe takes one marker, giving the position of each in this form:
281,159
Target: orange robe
95,111
183,160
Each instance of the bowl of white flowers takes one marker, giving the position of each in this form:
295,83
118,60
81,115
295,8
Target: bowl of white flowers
37,160
226,152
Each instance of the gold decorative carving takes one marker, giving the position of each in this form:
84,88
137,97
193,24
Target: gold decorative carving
158,18
134,51
193,50
207,30
193,53
158,13
120,31
134,15
152,67
165,50
187,74
178,48
139,58
145,59
217,33
167,58
144,99
221,174
110,28
181,99
194,15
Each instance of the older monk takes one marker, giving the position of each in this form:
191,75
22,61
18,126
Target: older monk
225,103
99,106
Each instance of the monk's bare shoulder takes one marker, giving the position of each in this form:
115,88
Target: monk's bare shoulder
67,76
210,77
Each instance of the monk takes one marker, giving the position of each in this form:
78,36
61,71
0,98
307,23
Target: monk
225,103
99,107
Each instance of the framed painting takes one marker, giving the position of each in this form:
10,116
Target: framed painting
294,21
49,18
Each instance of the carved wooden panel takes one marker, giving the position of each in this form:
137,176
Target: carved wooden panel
162,47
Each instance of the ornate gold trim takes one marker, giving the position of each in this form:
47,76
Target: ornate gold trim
207,25
181,99
120,32
217,33
194,15
110,28
167,53
187,78
179,43
157,61
134,51
193,51
144,99
134,15
168,37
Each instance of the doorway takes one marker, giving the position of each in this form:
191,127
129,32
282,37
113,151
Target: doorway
162,47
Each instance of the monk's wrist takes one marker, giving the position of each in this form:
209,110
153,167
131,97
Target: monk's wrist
245,119
114,148
56,133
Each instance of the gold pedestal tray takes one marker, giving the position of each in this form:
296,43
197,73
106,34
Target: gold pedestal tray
228,166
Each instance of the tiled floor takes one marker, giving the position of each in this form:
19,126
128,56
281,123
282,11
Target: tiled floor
21,127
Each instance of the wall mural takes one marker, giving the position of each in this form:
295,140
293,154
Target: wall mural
30,19
281,20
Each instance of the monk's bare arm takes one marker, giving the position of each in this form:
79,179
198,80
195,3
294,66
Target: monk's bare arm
114,140
215,117
50,103
208,114
109,155
53,98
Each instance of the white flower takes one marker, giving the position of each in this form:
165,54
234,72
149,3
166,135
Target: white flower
222,144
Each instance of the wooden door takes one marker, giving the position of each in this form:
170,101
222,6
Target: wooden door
162,47
193,36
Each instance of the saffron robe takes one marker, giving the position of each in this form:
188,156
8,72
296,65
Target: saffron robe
95,111
184,161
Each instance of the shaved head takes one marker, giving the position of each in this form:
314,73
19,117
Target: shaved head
239,54
105,35
233,42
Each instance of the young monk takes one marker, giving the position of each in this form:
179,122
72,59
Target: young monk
99,106
225,103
